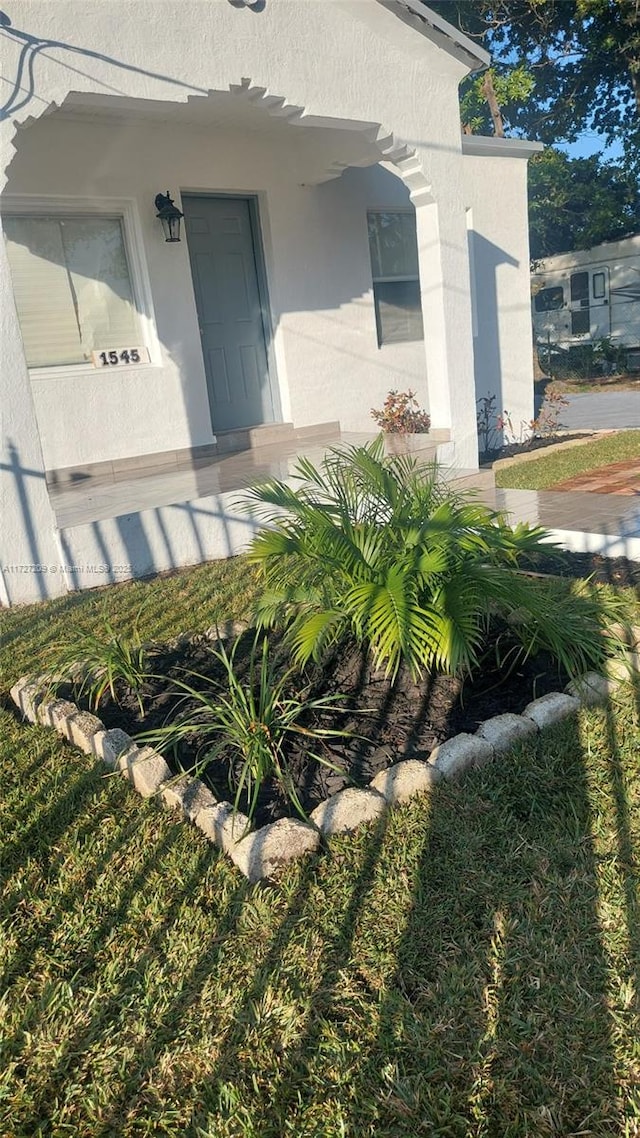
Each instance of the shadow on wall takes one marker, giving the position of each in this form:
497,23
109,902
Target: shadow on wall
23,87
486,258
138,544
21,477
154,540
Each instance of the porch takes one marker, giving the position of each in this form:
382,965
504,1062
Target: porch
152,521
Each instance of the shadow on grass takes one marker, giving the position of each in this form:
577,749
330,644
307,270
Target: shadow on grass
457,972
495,1019
628,858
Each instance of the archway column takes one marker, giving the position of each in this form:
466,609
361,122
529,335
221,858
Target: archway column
446,306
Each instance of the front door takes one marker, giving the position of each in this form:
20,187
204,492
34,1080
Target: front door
230,312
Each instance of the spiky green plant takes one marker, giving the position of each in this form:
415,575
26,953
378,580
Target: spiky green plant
386,551
97,663
253,717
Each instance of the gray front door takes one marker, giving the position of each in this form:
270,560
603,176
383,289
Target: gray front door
230,312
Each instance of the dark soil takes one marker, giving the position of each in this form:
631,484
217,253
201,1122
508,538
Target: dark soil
487,457
384,721
604,570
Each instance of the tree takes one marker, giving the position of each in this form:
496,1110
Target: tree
580,202
560,67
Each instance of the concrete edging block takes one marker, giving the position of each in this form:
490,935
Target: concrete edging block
188,795
145,769
28,693
591,689
226,630
629,634
551,708
460,753
345,811
503,731
222,826
54,713
267,851
405,780
81,729
623,669
109,745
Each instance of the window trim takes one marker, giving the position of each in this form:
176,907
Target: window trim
124,209
411,278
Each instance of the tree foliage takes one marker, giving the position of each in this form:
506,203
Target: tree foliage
575,203
560,66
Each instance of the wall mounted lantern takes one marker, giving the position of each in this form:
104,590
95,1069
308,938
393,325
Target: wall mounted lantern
169,215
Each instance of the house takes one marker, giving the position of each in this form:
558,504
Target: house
339,238
588,296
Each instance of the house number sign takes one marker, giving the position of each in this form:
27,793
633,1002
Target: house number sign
116,357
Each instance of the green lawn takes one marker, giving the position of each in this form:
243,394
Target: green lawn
544,472
470,971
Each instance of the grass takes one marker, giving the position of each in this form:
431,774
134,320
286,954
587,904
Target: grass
165,606
470,971
543,473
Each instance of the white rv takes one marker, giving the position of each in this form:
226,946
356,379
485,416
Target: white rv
588,296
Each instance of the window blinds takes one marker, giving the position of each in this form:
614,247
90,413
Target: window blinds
72,287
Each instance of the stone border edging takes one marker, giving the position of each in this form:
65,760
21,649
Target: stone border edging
260,854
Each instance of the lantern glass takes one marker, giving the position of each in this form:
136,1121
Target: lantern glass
169,215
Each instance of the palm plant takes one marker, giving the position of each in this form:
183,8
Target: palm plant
253,718
386,551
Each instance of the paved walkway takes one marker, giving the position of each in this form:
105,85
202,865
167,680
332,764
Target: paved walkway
608,524
617,409
618,478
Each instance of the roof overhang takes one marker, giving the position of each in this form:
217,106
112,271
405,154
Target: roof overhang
440,32
488,146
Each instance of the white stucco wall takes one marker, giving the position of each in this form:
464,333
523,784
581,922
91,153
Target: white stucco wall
352,61
327,359
496,195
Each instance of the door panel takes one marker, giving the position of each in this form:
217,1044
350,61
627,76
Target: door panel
580,315
225,279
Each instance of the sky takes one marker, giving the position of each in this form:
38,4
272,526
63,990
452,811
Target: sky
591,143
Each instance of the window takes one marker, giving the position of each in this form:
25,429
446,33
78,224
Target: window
598,286
72,285
394,266
549,299
580,287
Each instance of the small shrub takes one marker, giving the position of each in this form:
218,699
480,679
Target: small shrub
401,414
547,424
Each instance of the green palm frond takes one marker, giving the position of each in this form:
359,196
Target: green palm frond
386,548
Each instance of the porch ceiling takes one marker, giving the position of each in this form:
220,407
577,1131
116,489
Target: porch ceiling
323,147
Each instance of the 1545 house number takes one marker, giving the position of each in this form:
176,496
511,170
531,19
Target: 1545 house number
116,357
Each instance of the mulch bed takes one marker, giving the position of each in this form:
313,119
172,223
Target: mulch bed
385,721
488,457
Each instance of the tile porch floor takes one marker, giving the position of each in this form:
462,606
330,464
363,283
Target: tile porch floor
584,522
